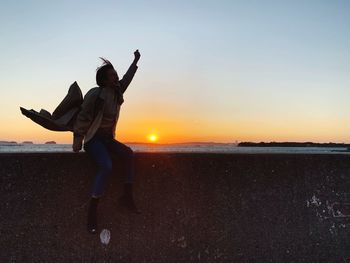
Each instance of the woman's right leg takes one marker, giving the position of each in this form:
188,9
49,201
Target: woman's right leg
98,151
92,215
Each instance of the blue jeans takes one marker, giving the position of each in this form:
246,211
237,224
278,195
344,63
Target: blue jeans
100,148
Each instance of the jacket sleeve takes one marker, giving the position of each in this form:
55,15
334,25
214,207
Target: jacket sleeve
85,115
128,76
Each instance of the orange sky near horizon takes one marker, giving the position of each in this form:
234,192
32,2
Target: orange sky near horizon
176,131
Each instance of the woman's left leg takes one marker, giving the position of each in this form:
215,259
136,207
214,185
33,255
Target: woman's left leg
128,158
127,155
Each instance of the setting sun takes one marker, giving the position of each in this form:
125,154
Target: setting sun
152,137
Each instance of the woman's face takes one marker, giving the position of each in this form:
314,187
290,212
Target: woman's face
111,78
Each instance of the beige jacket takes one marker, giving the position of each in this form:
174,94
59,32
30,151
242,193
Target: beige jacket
90,116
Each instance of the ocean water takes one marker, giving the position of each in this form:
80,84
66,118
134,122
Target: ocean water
196,147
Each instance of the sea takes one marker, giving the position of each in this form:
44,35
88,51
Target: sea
178,148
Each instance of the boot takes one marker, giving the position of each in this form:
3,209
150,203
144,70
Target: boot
92,215
127,200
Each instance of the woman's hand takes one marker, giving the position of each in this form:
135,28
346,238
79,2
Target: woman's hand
137,55
77,143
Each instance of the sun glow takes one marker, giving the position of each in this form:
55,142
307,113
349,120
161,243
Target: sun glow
152,137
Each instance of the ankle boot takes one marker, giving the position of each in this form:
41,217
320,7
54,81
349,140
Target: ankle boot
92,215
127,200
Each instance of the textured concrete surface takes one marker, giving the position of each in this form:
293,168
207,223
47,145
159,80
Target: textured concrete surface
196,208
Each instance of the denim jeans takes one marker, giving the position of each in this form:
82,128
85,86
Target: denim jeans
101,149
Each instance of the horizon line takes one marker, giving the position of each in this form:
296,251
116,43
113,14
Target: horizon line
186,142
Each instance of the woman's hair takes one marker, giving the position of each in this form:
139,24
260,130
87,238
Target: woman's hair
101,71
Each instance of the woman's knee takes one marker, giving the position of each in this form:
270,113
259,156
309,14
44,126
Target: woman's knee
121,149
126,150
129,151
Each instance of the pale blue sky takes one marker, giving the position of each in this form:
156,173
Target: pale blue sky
239,65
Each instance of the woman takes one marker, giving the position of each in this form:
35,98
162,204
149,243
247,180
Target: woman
95,124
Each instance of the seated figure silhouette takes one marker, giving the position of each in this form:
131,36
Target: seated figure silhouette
95,125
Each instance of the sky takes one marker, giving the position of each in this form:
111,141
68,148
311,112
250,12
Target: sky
210,71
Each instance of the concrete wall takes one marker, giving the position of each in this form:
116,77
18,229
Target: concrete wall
196,208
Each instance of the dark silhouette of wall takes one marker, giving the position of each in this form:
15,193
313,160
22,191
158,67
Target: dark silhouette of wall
196,207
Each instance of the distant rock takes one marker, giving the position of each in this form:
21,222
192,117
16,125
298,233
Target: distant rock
293,144
27,142
6,142
50,142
